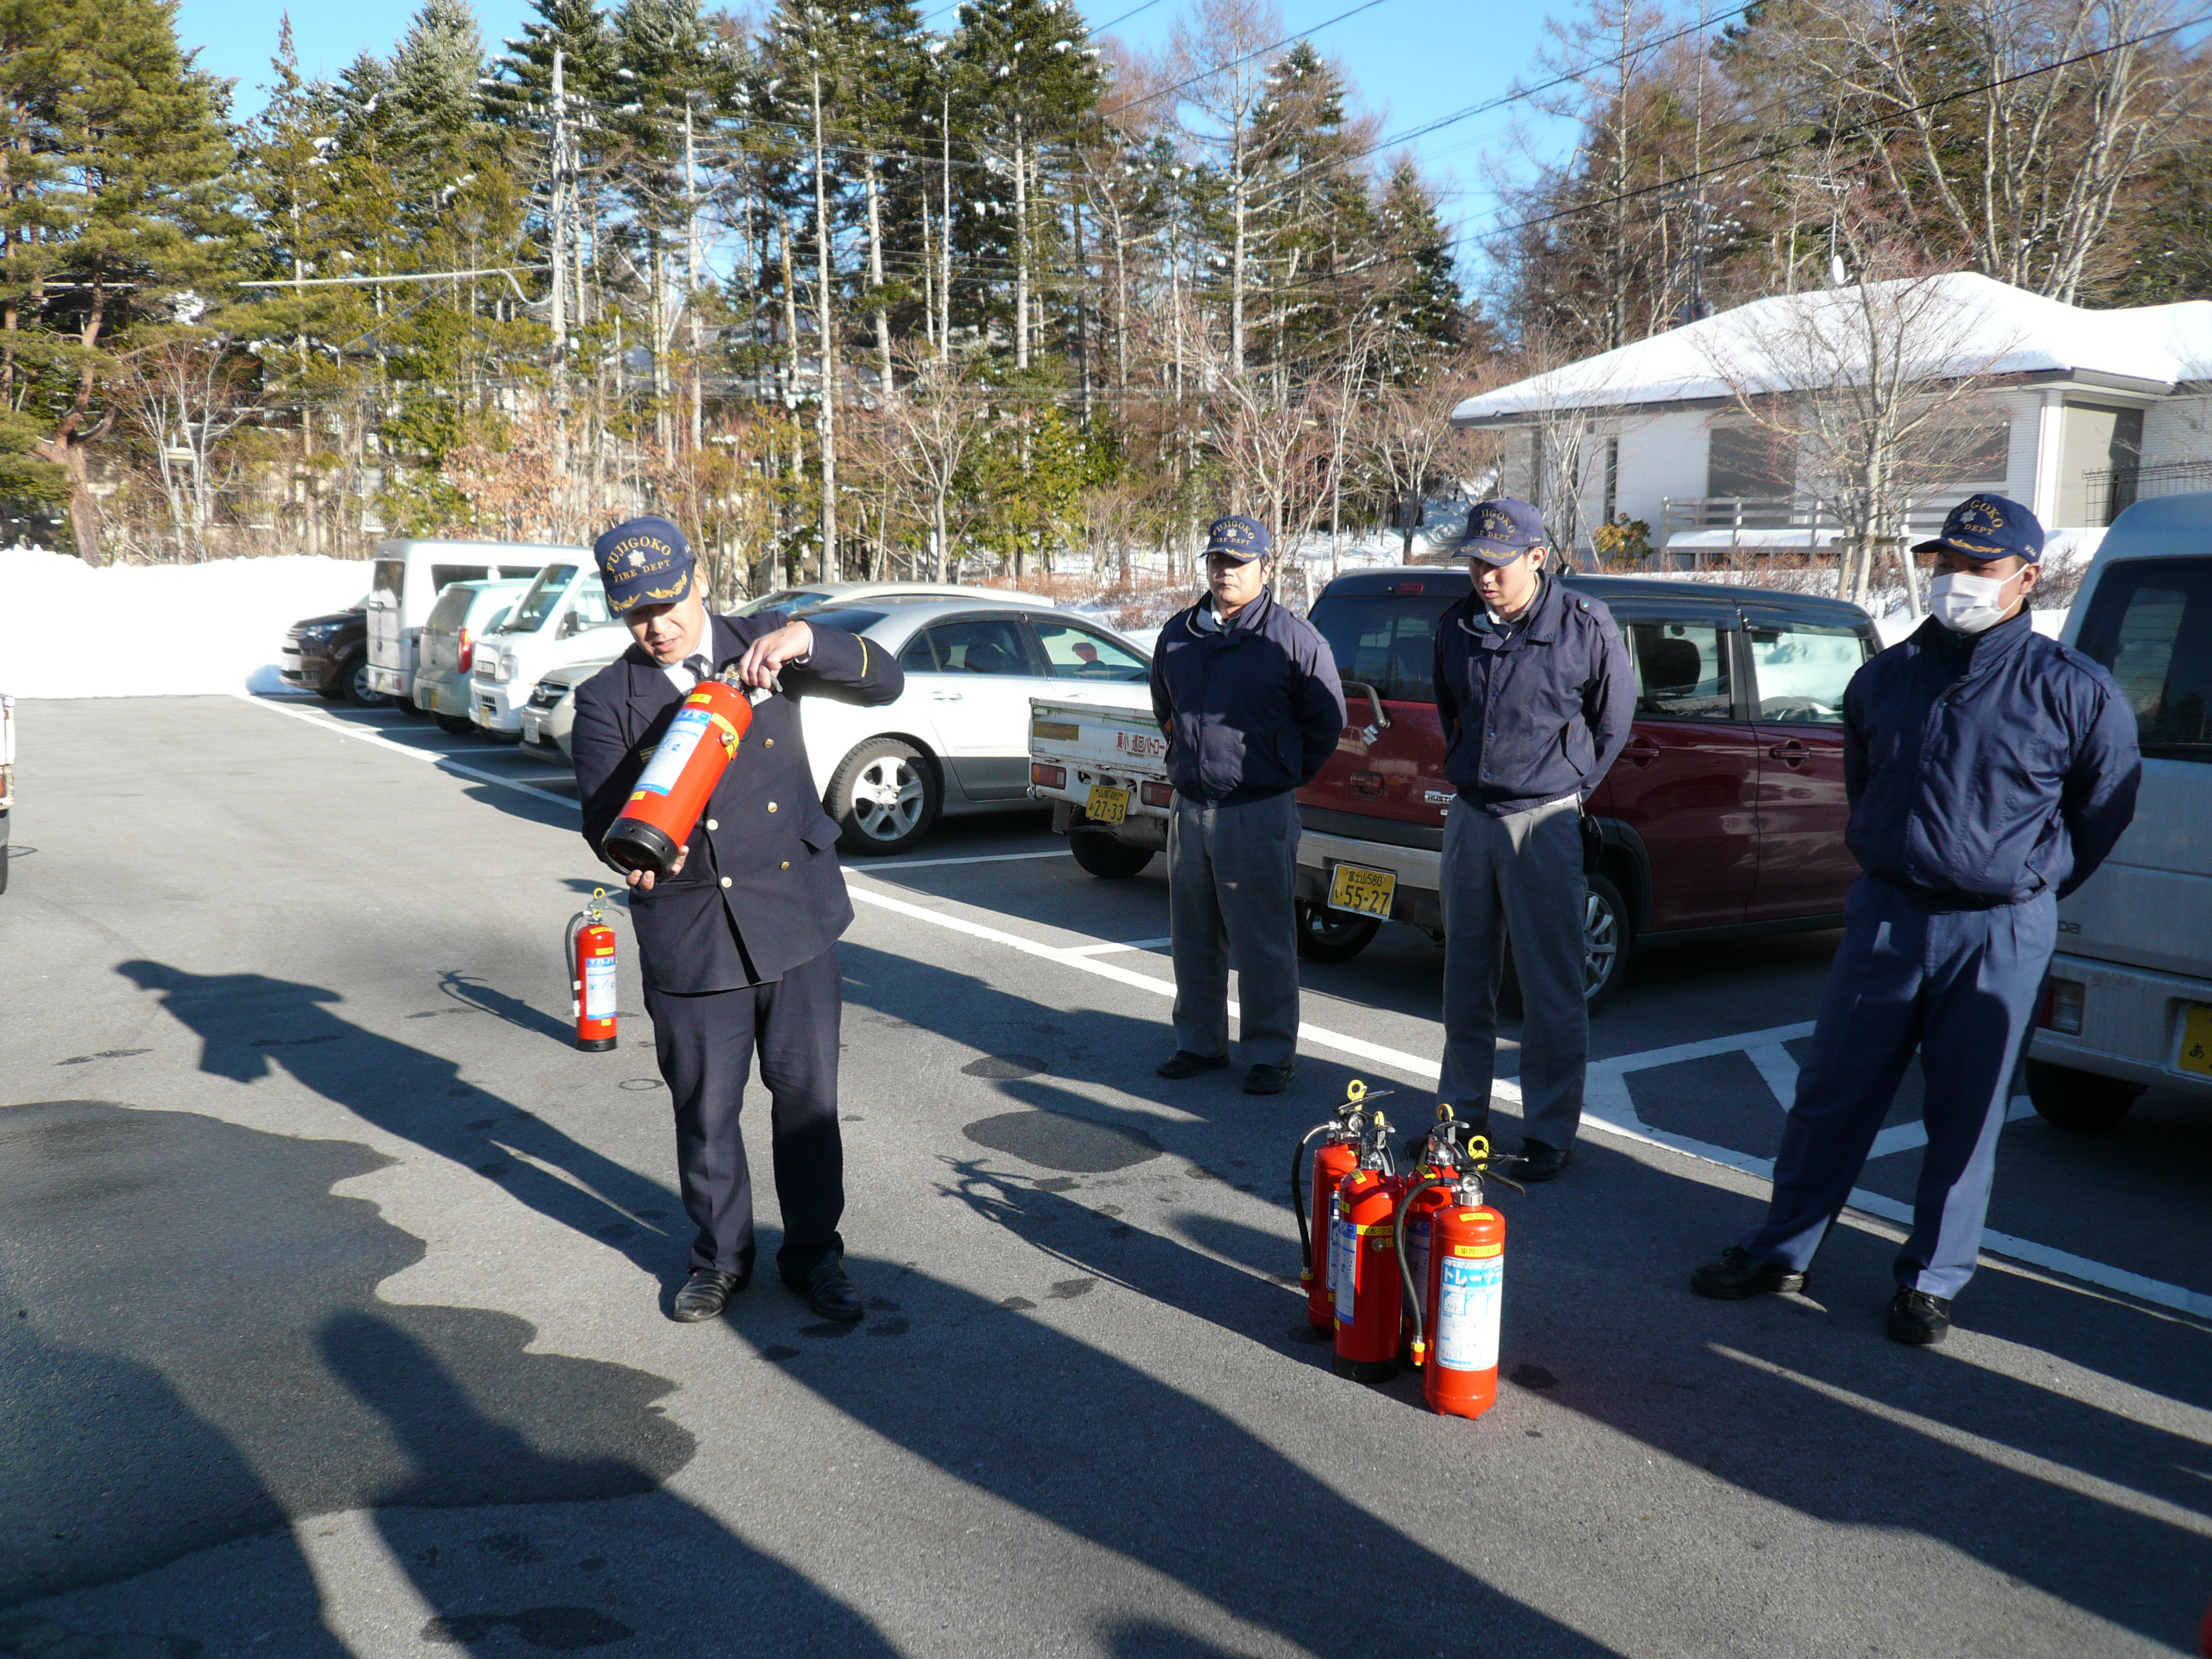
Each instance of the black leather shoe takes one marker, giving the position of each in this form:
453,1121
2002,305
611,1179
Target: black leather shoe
1182,1063
707,1294
1269,1079
1739,1274
1919,1319
1538,1162
830,1293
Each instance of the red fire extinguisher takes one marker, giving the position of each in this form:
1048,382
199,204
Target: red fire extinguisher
591,958
673,790
1443,1153
1361,1243
1458,1300
1333,1159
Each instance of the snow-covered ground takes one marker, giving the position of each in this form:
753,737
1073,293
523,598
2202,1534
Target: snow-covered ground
70,630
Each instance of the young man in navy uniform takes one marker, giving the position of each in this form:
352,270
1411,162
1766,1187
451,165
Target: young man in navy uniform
739,942
1989,771
1535,697
1249,696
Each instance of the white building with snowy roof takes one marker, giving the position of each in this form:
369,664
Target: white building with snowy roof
2083,411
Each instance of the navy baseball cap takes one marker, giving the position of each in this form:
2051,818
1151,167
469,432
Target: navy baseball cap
643,561
1988,527
1500,530
1238,538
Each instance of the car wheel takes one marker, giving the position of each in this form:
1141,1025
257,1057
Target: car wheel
333,688
885,796
353,682
1106,858
410,708
1606,935
3,866
459,726
1327,935
2078,1100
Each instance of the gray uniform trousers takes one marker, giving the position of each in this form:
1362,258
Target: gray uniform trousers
1521,873
1231,873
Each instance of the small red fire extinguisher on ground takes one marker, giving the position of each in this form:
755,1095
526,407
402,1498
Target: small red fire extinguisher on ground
1335,1158
1458,1298
1361,1241
591,958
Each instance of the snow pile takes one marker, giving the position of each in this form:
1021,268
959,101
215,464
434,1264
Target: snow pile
70,630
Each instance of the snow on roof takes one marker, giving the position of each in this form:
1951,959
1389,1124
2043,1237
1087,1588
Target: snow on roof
1992,328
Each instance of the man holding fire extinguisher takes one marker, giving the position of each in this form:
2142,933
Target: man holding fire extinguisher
737,940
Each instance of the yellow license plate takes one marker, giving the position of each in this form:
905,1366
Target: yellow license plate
1364,893
1107,805
2196,1041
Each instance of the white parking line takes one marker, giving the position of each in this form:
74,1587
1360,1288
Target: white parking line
1607,1105
443,762
1108,949
873,864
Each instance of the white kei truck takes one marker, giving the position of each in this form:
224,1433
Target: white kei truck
1103,771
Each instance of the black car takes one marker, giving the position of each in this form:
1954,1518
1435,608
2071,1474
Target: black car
329,656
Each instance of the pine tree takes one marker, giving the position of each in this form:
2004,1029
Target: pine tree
119,224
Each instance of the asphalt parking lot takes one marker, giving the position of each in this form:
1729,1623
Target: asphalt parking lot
335,1284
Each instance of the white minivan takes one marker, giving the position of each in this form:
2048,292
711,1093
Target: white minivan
2128,1003
409,576
563,619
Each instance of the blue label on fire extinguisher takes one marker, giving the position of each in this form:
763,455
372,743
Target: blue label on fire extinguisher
1417,1252
1343,1263
1469,1298
599,988
683,734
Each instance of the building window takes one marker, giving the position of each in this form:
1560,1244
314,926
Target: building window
1750,460
2100,449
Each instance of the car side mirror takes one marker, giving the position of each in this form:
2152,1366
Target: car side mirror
570,624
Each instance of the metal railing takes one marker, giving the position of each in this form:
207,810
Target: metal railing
1772,512
2110,491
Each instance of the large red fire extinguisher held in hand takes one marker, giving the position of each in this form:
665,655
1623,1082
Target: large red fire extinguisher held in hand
1456,1302
1361,1243
1333,1159
673,790
590,954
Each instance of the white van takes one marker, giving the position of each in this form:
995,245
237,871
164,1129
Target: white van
561,620
2128,1003
408,577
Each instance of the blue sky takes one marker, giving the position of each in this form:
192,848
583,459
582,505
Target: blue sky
1416,60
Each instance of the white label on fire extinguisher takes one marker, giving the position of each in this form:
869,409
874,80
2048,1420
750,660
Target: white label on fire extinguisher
684,732
599,988
1343,1263
1468,1301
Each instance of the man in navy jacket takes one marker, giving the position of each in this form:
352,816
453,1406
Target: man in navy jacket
1535,697
1989,771
738,941
1249,696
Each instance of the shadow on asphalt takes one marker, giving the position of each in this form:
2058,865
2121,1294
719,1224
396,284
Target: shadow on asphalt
1814,1410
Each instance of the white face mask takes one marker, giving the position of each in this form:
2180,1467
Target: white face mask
1968,604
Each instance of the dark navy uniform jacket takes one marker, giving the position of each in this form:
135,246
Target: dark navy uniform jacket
1986,768
761,886
1250,710
1536,712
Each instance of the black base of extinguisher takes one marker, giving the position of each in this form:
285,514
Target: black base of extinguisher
1366,1370
636,846
595,1045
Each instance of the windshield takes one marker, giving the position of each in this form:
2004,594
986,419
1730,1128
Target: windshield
784,599
451,610
1387,640
390,580
850,617
2150,624
537,603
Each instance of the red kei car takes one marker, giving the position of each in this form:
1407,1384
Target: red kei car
1725,815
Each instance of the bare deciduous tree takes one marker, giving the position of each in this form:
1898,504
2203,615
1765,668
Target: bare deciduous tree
931,424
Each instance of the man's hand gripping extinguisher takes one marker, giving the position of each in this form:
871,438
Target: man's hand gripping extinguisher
1333,1159
673,792
590,953
1458,1295
1361,1238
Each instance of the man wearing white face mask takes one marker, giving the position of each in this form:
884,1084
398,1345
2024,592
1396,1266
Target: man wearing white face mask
1989,771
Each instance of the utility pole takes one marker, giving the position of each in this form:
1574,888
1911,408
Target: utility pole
826,422
944,240
691,265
